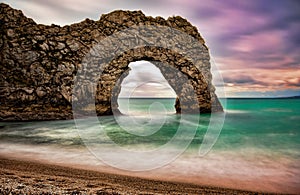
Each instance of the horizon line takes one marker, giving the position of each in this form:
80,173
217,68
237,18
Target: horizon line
241,97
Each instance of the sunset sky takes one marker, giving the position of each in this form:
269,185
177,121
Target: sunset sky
254,44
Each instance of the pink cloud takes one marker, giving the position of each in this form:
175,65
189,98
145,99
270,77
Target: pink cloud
265,41
261,80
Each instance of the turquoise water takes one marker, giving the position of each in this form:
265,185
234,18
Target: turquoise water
266,124
260,138
270,126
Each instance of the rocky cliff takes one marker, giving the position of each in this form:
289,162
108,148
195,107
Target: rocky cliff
38,64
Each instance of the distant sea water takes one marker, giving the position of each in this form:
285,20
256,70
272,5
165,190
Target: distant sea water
258,148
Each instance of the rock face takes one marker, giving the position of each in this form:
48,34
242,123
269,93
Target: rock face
39,63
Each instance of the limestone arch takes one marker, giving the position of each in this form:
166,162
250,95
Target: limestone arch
107,95
39,63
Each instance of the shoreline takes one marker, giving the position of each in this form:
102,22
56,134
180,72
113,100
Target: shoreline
206,172
23,176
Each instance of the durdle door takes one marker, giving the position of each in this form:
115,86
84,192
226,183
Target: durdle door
39,63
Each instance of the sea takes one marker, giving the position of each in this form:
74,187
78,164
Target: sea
255,144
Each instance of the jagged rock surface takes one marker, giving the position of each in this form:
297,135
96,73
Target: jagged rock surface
38,64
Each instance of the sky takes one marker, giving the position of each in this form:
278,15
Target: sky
145,77
254,45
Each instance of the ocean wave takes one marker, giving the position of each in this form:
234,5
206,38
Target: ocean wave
277,110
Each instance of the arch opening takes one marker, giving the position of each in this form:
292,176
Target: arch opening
145,89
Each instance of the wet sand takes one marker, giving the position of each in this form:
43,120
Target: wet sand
26,177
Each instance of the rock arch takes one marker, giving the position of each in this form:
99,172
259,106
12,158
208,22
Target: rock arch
169,68
38,64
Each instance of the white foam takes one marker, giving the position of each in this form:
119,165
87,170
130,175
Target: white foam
235,111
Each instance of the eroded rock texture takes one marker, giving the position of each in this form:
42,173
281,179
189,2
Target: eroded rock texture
38,63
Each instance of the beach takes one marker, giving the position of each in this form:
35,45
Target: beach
252,154
20,177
